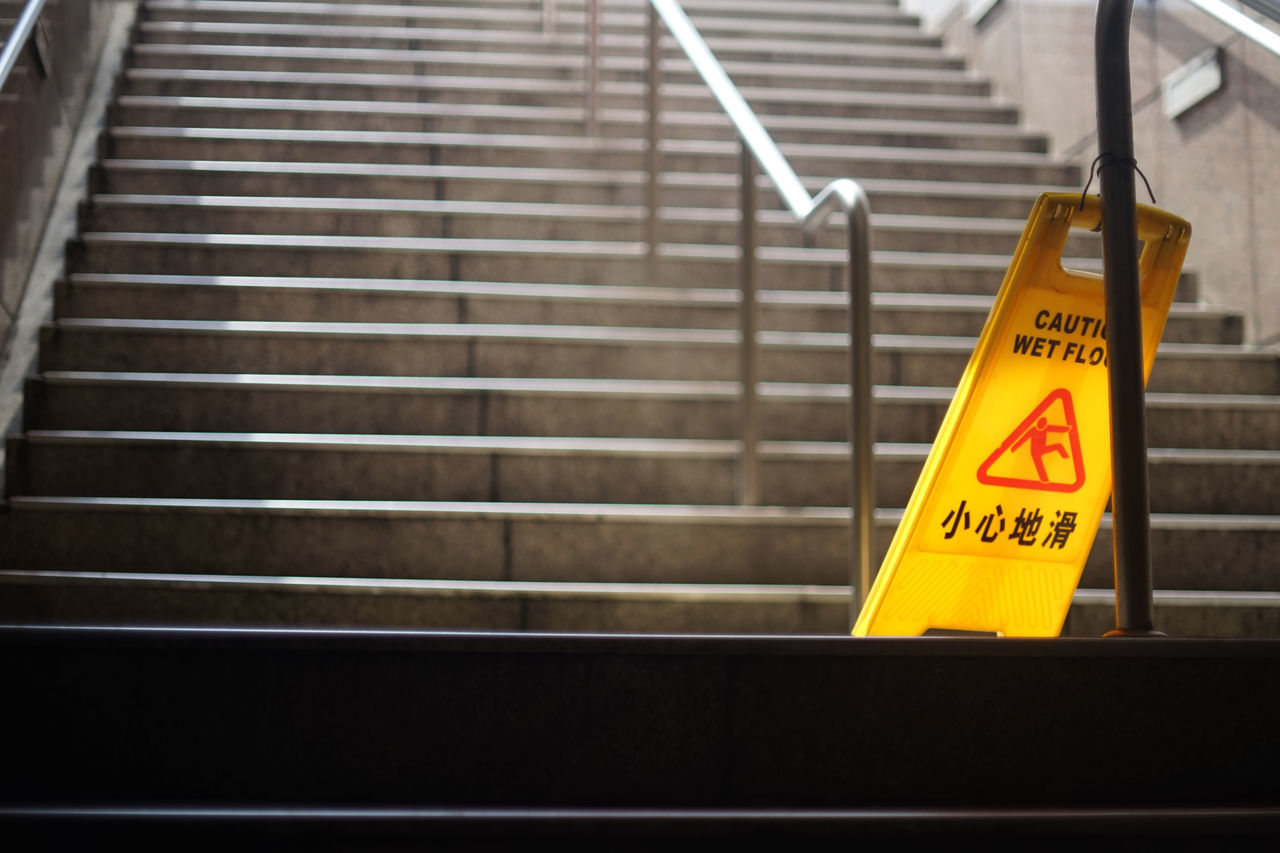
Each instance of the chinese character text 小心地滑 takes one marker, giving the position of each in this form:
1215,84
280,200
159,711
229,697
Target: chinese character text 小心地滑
1027,525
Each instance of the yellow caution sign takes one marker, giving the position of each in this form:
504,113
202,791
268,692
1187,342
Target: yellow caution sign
1006,509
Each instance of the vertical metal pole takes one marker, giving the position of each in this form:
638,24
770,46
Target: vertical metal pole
861,388
548,17
593,66
1130,501
653,158
749,471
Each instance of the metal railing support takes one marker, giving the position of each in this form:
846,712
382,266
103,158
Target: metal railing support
861,388
749,350
1130,500
592,73
759,153
848,196
548,16
653,155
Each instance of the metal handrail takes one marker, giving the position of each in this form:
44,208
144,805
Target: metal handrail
18,38
758,149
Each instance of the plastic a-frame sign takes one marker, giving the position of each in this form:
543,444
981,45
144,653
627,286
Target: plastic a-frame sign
997,531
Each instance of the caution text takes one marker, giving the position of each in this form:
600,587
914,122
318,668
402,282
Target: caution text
1085,341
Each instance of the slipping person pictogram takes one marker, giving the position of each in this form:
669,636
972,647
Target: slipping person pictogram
1036,433
1040,447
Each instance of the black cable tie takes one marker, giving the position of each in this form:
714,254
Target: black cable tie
1104,160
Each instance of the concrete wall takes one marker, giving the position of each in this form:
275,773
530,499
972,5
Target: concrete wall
48,145
1217,164
40,108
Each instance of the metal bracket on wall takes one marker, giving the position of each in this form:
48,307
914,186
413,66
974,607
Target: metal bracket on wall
1191,83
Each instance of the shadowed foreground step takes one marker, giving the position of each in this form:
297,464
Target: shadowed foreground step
251,719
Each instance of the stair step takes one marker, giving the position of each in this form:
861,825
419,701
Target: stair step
302,299
465,541
531,149
533,542
443,301
142,598
875,71
603,408
819,22
344,14
542,468
411,116
568,261
461,406
124,598
894,40
682,103
535,185
410,218
822,10
602,352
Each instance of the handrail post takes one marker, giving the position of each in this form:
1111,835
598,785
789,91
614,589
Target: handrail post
653,157
593,67
758,152
749,354
1130,500
548,17
861,389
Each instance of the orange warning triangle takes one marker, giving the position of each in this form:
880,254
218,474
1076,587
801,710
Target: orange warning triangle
1042,452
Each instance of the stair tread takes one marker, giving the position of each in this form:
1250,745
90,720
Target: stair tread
445,586
454,13
597,333
533,173
560,210
946,69
593,248
540,85
532,140
667,513
873,33
552,445
574,115
646,387
725,591
726,297
436,83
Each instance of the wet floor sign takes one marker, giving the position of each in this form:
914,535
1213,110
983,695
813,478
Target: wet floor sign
1006,509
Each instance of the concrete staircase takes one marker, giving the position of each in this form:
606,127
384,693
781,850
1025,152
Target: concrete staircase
357,332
